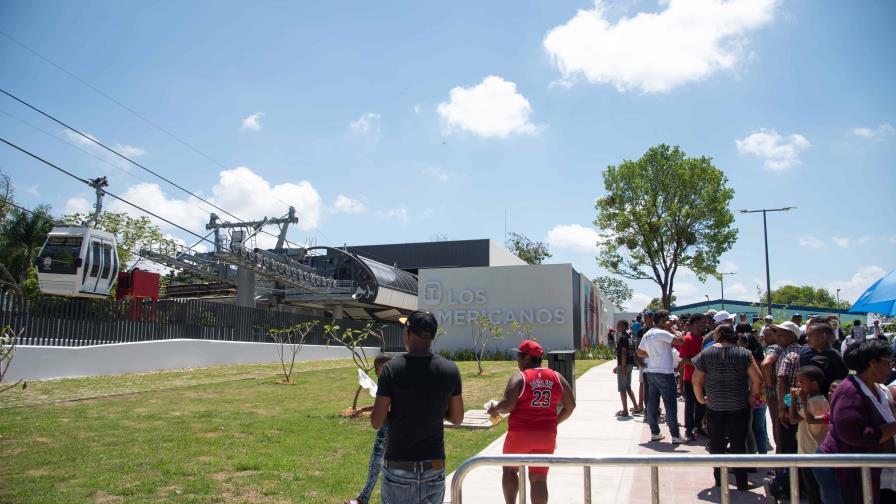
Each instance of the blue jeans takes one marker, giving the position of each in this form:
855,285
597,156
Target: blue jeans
410,487
760,430
662,385
828,484
376,463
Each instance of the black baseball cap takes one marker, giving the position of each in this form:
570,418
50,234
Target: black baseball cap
422,324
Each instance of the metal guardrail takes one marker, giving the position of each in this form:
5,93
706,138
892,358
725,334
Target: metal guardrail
864,462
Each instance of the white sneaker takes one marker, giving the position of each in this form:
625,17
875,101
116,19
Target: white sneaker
657,437
679,440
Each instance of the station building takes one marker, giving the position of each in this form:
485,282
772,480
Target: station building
460,280
756,311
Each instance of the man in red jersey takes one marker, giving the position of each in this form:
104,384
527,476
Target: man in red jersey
537,399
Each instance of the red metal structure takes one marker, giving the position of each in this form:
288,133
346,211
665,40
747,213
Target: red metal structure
138,285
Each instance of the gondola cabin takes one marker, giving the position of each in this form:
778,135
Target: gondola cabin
77,261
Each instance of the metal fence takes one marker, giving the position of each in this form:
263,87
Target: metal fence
863,462
57,321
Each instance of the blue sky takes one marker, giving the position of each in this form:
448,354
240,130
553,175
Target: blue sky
396,122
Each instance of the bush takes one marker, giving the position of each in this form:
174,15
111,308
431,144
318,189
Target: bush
469,354
601,352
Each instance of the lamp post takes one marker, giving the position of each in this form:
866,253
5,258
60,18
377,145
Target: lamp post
838,299
768,281
722,281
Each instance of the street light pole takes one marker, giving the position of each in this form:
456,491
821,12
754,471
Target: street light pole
768,281
838,300
722,281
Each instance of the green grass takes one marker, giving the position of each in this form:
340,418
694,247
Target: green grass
225,434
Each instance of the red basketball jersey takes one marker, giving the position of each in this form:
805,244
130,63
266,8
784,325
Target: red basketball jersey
536,407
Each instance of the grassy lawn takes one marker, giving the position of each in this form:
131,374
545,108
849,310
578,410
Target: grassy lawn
226,434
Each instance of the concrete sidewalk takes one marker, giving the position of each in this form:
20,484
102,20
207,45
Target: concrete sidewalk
594,430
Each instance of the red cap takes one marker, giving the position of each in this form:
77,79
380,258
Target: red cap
532,348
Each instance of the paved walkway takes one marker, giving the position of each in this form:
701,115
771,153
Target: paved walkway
594,430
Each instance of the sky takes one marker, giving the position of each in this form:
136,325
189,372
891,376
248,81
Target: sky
387,122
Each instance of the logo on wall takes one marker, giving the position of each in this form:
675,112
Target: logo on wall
432,293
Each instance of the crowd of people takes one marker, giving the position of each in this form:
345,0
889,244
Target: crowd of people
733,376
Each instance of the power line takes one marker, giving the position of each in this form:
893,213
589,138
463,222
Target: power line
129,109
122,156
122,105
113,151
70,174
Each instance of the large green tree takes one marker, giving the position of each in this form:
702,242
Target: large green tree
804,295
663,212
657,304
22,234
533,252
616,290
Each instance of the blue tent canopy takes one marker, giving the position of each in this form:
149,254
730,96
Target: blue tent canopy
879,298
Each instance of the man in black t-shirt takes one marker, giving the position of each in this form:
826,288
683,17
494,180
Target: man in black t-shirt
625,364
416,391
819,353
743,326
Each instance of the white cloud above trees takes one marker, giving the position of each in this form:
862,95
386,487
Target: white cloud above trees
778,153
491,109
686,41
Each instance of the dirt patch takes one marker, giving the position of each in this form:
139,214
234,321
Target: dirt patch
43,471
226,475
272,433
169,490
42,440
102,497
212,434
239,435
265,412
204,458
141,411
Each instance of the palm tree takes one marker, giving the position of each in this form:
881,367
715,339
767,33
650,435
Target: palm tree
21,236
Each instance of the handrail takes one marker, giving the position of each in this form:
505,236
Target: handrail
852,460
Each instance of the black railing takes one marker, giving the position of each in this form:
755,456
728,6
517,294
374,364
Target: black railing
57,321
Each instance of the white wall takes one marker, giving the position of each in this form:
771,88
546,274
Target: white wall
504,293
43,363
500,256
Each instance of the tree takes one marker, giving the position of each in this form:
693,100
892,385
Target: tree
532,252
6,192
22,234
131,233
289,343
663,212
657,304
617,291
353,340
804,295
484,330
9,335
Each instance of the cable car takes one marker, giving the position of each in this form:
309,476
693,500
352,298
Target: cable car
78,261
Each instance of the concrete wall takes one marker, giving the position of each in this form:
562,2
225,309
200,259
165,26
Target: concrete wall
500,256
541,294
43,363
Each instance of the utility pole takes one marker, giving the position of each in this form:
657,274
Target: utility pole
722,280
768,281
838,300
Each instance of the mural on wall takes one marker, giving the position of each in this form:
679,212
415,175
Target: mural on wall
592,308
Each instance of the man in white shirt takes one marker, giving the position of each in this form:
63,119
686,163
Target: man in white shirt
660,374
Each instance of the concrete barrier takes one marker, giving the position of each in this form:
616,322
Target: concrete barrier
44,363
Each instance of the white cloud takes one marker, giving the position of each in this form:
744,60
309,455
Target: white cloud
492,108
32,190
638,301
811,242
77,204
863,240
851,289
250,196
437,174
779,154
656,51
739,292
573,237
878,133
240,191
417,109
400,214
129,151
344,204
253,122
841,242
728,267
368,123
